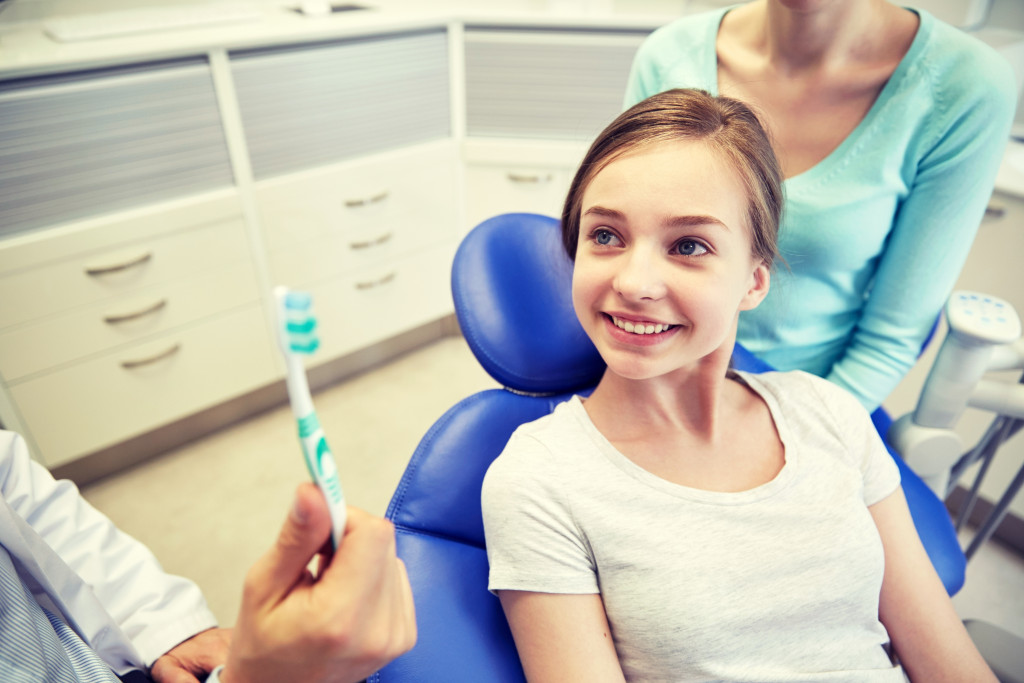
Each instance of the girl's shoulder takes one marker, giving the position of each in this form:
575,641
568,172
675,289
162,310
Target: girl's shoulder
543,446
806,398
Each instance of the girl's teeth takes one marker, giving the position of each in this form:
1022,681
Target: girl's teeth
640,328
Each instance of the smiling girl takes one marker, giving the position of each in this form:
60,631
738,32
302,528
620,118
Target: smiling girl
686,522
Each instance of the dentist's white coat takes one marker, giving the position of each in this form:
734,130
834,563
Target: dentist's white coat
109,587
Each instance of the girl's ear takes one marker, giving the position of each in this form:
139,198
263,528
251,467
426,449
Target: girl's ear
760,281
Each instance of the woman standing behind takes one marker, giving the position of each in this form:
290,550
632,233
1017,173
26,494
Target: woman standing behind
889,126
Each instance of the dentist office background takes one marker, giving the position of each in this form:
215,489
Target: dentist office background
164,164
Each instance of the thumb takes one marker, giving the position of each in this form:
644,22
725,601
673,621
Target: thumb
304,532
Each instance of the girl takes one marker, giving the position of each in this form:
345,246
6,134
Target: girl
686,522
889,126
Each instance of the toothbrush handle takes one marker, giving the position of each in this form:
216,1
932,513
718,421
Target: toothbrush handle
324,472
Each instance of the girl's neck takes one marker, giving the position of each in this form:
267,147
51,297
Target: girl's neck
690,401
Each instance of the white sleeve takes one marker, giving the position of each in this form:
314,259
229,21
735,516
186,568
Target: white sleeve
862,441
533,543
155,610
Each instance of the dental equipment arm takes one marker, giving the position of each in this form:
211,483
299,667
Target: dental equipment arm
984,335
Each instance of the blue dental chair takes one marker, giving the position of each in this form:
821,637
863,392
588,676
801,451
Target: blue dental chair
511,286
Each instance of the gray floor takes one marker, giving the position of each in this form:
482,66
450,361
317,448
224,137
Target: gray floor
209,509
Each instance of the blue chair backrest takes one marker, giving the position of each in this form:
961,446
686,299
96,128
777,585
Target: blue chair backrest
511,287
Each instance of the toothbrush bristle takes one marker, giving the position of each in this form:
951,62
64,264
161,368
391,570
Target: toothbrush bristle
301,323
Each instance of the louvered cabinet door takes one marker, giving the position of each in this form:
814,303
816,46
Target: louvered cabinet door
313,105
545,84
82,144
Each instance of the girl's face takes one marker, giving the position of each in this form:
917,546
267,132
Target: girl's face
664,262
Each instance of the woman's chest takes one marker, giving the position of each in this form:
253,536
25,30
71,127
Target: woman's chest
808,119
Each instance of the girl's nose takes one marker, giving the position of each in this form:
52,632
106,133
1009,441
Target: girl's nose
639,276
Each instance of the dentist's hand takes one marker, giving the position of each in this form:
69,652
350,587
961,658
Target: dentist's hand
340,626
192,660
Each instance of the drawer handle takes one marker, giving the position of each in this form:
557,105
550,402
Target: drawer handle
129,364
386,237
375,199
131,263
995,211
535,179
125,317
370,284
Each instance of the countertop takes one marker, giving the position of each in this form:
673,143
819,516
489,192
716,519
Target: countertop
27,48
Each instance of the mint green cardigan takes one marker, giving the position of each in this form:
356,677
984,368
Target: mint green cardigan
876,233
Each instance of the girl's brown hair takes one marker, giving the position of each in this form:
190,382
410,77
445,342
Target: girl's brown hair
724,124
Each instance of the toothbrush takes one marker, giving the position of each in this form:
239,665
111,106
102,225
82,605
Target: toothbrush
296,335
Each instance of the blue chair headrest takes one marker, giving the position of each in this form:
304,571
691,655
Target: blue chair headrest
511,282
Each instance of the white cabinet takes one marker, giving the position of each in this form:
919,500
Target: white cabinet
112,327
147,209
356,182
518,177
535,99
372,240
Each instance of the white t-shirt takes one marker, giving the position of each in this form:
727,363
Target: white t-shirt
777,583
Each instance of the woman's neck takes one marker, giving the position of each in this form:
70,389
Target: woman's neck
819,34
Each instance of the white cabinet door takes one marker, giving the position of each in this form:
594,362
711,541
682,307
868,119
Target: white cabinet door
97,141
545,84
305,106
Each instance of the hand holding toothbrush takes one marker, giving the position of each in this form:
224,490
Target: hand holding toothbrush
342,625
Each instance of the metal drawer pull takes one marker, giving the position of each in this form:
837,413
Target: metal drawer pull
104,270
375,199
386,237
537,178
370,284
995,211
129,364
125,317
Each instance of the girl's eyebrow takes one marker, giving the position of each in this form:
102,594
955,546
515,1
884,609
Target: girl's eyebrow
688,221
673,222
604,213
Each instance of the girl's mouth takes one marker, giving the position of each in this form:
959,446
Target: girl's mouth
640,327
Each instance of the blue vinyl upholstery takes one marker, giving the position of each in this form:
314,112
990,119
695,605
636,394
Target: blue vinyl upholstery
511,286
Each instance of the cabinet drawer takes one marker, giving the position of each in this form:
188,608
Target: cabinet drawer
491,190
357,199
378,303
106,272
341,219
100,402
124,320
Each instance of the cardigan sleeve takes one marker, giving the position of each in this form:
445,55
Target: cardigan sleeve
934,225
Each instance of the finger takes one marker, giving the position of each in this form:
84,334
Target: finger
367,547
304,532
408,607
167,670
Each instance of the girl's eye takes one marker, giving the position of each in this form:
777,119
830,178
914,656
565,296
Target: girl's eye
604,237
690,248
